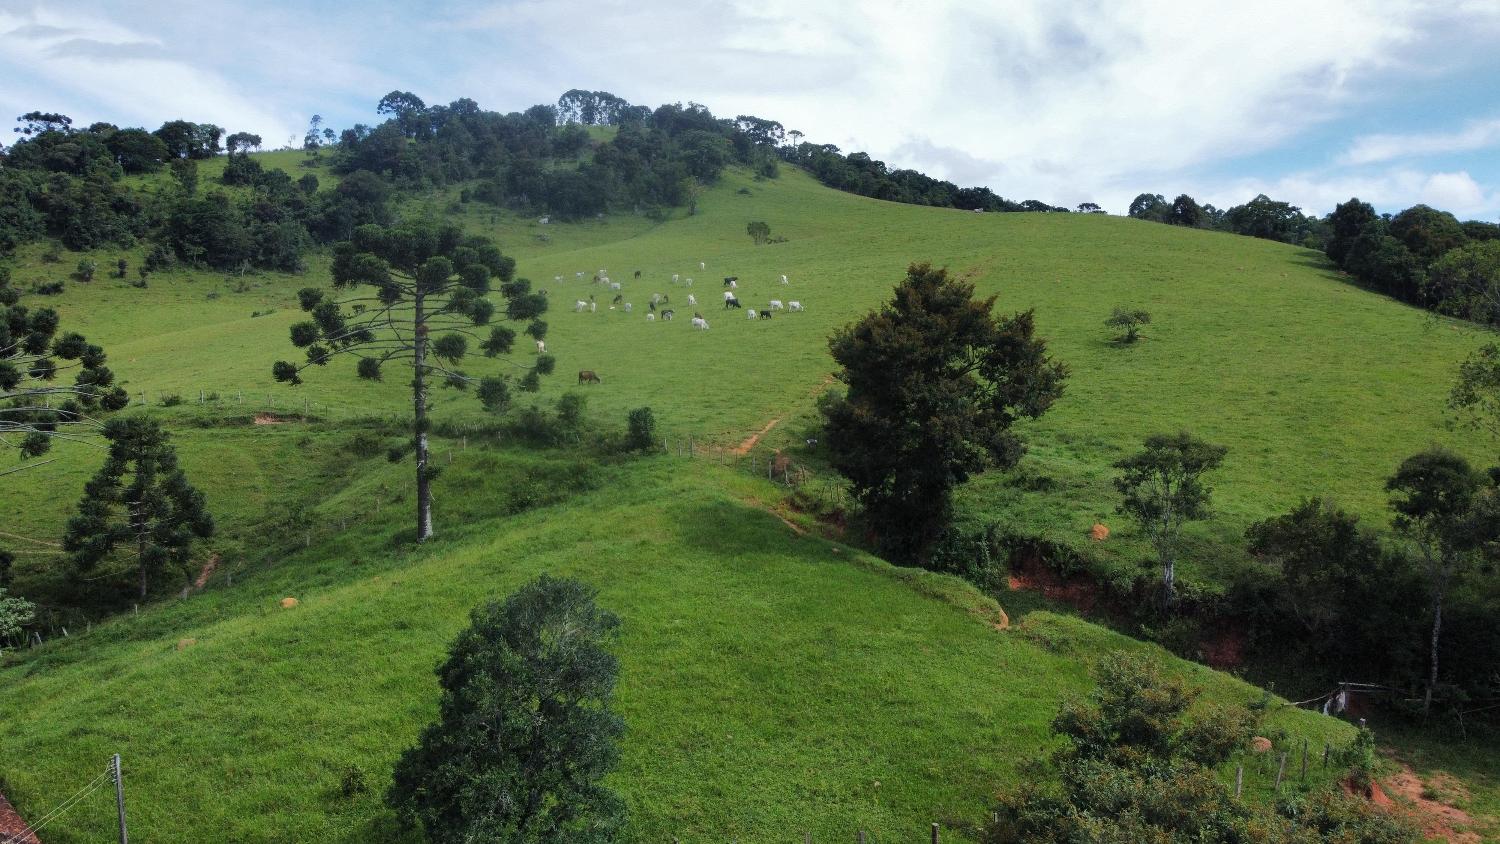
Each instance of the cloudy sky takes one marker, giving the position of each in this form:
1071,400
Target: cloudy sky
1310,101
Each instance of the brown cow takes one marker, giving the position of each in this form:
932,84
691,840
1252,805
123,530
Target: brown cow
588,376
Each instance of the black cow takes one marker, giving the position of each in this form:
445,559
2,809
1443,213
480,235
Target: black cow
731,302
765,314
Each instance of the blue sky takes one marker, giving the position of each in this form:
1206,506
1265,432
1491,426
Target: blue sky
1393,101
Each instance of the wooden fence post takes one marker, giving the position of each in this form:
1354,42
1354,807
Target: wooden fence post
1239,779
934,833
1304,760
1280,770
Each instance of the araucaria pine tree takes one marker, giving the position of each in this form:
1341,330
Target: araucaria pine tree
417,296
139,507
36,406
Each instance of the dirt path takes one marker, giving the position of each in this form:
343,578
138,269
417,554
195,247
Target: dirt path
13,829
1434,817
207,572
744,448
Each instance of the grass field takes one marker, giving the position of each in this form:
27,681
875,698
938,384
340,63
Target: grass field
770,680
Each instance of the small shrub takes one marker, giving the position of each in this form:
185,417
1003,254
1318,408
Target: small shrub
365,444
86,269
51,288
159,258
353,781
759,231
642,434
52,255
171,400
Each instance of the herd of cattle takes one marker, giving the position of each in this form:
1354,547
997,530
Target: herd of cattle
659,304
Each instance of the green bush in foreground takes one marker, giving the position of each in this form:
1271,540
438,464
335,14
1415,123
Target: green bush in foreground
525,731
1138,765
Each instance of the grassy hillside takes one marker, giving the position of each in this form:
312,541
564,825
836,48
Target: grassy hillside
771,683
770,680
1315,386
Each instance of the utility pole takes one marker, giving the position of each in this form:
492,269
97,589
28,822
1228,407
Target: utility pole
120,797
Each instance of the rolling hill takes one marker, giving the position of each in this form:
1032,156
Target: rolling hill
773,681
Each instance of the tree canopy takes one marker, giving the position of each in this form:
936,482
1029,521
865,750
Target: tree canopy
935,382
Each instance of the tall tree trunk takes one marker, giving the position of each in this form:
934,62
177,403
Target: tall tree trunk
140,552
419,423
1437,629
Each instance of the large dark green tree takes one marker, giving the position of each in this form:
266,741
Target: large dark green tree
525,731
37,406
1162,488
139,507
1451,514
416,298
935,383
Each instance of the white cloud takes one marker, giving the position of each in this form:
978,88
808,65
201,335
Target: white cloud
1372,149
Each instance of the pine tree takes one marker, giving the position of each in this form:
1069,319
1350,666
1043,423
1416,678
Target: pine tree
36,407
141,501
419,293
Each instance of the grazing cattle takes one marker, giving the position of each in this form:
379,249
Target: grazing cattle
668,313
579,305
731,302
690,281
614,285
750,313
578,274
541,347
557,278
730,280
675,277
783,279
728,294
700,322
593,307
651,305
637,273
794,305
692,300
618,299
588,376
702,266
776,304
627,307
765,314
651,317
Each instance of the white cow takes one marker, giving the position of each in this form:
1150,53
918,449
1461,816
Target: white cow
776,304
702,266
750,313
733,284
578,274
690,281
627,307
700,322
593,307
579,305
692,300
614,285
783,279
541,347
675,277
794,305
728,294
655,298
651,317
557,278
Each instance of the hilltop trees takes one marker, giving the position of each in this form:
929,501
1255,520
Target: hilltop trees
525,731
417,295
141,500
1451,514
1162,488
35,406
935,382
